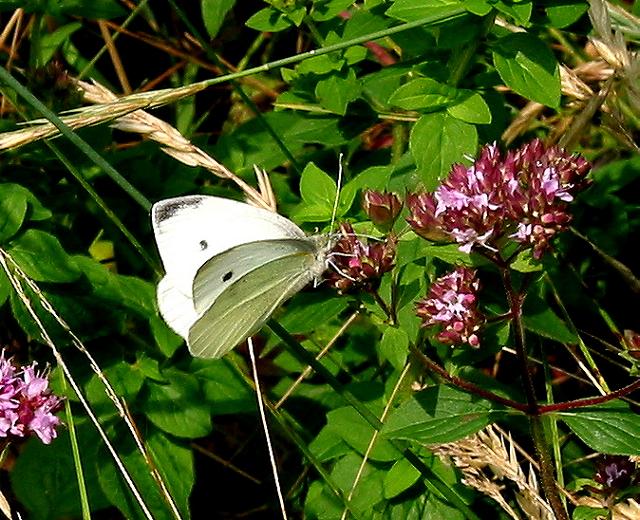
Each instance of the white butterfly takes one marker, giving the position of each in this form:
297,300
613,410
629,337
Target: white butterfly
228,267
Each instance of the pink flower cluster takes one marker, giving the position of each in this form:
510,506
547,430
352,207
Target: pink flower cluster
358,263
451,304
27,405
522,195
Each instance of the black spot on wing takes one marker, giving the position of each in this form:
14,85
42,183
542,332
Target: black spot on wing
227,276
203,245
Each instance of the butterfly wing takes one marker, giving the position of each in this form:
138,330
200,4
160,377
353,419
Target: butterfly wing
220,272
243,306
190,230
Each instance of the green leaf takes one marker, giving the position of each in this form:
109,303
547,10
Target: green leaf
449,253
399,478
611,428
125,380
437,141
411,10
472,109
42,258
328,445
322,64
525,263
36,210
337,91
213,14
318,189
13,209
478,7
562,13
527,66
363,22
225,391
51,41
5,287
321,503
239,151
94,10
128,292
356,432
177,407
167,340
307,312
423,94
43,476
269,20
394,347
368,493
326,9
589,513
520,10
439,414
175,463
379,86
542,320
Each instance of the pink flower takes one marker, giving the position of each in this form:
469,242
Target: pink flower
27,406
522,196
451,304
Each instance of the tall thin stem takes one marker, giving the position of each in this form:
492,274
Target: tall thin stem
547,476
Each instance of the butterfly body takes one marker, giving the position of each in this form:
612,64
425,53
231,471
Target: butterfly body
228,266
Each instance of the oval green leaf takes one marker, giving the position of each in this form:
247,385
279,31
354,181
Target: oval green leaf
42,258
527,66
612,428
437,141
439,414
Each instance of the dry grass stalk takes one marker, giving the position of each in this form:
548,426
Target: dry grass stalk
486,459
627,510
93,115
176,145
611,77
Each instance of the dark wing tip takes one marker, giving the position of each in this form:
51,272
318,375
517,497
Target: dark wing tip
165,209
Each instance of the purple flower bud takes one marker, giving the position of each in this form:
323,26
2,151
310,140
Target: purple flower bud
632,343
451,304
381,208
358,263
422,217
615,472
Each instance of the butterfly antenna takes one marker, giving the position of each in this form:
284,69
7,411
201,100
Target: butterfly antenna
265,427
338,188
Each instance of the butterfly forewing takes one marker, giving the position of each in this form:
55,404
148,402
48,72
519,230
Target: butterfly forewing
248,302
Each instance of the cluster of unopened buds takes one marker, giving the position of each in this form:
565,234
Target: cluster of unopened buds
360,263
27,405
518,198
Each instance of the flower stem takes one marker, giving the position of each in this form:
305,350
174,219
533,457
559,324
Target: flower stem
465,385
547,476
385,308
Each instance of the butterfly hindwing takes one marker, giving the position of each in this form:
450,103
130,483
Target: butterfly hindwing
245,305
223,270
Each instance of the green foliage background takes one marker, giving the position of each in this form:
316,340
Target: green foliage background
414,86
